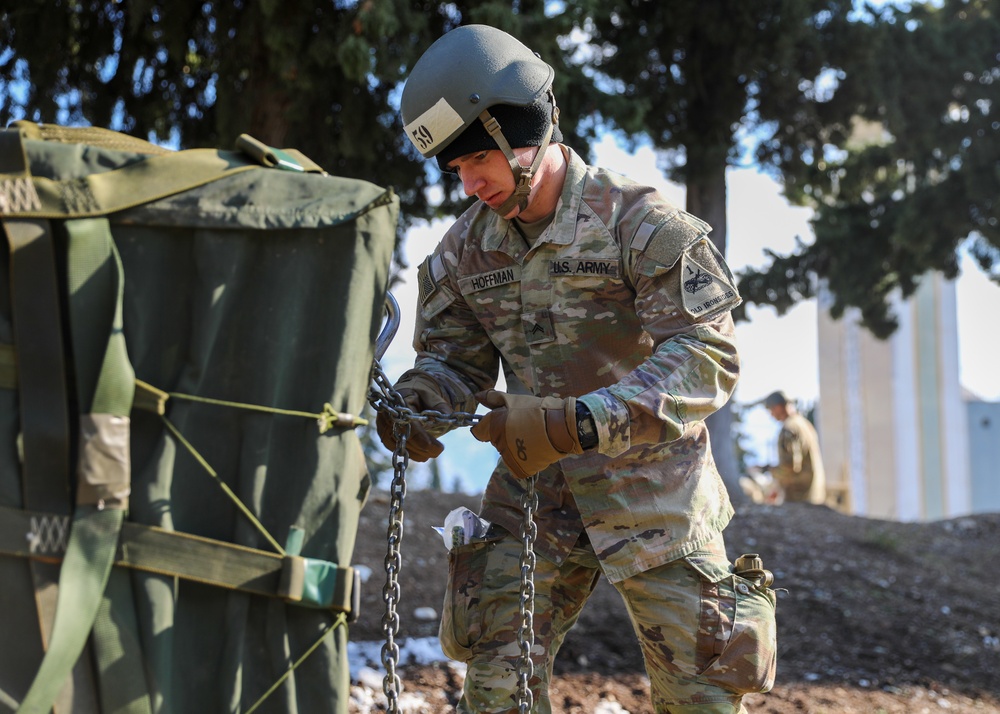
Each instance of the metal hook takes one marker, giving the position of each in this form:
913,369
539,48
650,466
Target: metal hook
390,327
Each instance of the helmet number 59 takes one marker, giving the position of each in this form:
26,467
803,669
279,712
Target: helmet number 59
422,137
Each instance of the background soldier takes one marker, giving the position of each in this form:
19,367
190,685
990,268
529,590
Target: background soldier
800,465
608,310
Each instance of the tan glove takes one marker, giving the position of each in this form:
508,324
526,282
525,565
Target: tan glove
529,432
419,392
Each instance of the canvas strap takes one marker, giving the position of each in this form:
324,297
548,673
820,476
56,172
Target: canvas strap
37,322
41,379
42,371
41,384
302,581
105,387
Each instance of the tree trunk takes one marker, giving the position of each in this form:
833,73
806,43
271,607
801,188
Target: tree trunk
706,198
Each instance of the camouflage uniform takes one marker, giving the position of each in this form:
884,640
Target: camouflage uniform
623,302
800,466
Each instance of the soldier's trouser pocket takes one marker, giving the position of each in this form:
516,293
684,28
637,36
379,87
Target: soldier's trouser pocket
737,635
461,614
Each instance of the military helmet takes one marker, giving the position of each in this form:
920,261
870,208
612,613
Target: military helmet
479,88
467,70
776,399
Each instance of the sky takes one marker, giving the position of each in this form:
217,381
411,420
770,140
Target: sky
759,217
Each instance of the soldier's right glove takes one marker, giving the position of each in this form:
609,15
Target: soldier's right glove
529,432
420,393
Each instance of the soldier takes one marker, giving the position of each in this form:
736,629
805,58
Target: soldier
799,470
608,310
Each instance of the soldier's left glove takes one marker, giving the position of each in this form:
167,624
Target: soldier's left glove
529,432
419,392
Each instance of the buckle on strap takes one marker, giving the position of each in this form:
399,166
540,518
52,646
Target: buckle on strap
490,123
311,582
268,155
320,584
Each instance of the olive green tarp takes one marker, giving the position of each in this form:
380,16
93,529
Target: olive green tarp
262,287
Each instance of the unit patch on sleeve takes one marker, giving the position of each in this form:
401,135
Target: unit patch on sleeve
583,266
705,289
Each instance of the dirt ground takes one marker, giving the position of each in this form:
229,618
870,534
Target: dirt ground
873,616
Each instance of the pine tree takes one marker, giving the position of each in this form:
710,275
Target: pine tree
704,80
902,164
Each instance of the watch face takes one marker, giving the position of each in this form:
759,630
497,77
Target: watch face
586,430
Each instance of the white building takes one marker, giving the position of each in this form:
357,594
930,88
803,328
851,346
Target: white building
894,424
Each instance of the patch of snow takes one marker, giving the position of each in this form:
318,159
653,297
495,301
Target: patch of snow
413,650
610,708
427,614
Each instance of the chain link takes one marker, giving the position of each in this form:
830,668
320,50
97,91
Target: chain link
526,633
391,684
382,396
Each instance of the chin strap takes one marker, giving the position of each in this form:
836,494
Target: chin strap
522,175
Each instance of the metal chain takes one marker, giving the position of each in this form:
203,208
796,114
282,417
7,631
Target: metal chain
526,633
391,684
383,397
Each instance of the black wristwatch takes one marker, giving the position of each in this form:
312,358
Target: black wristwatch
586,430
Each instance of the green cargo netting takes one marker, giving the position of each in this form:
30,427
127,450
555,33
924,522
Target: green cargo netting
248,285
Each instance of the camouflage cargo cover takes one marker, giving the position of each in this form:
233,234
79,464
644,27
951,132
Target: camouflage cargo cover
622,301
